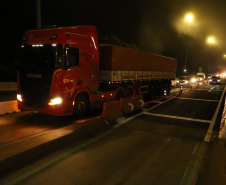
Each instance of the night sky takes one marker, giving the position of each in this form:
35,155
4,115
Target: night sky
156,26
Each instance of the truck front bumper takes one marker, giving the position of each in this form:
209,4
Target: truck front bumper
64,109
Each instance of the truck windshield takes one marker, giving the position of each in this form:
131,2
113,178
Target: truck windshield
39,56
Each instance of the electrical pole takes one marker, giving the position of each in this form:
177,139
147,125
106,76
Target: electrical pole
38,13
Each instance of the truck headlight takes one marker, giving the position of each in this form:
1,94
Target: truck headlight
19,97
55,101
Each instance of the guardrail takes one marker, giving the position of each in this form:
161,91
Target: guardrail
8,86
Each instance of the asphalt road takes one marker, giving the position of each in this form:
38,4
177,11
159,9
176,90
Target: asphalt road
162,145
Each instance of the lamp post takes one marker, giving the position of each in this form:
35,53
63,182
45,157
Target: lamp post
188,20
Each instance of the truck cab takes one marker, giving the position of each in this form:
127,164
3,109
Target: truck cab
57,64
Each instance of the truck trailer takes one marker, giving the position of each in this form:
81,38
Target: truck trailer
64,71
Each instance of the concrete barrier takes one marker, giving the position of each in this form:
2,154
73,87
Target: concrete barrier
8,107
8,86
138,101
111,111
126,105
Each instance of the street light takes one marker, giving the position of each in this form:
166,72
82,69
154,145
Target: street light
211,40
188,20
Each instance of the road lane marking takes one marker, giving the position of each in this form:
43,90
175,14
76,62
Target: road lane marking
200,89
178,117
192,170
210,90
210,129
196,99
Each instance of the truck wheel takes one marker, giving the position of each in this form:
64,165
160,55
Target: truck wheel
119,94
129,92
81,106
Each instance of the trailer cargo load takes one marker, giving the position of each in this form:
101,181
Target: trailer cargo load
123,64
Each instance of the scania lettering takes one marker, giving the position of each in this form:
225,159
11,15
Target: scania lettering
64,71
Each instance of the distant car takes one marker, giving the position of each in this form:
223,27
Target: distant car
215,80
185,80
200,77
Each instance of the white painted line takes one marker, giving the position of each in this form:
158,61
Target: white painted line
200,89
210,129
215,90
178,117
197,99
160,104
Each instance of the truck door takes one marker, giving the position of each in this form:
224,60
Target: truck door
73,74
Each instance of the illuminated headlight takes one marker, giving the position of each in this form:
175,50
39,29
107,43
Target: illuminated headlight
186,82
211,80
55,101
218,80
177,81
200,79
19,97
193,80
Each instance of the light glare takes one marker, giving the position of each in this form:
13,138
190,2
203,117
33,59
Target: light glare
189,18
19,97
55,101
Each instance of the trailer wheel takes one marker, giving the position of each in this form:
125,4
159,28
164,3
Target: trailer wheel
81,106
129,92
119,94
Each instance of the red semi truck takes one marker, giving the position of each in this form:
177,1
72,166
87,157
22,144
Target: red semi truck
64,71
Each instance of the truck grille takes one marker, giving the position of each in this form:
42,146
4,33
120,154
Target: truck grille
35,88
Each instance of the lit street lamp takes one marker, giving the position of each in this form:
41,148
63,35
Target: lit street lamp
188,20
210,40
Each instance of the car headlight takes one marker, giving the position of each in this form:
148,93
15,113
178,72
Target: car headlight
186,81
193,80
211,80
218,80
55,101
